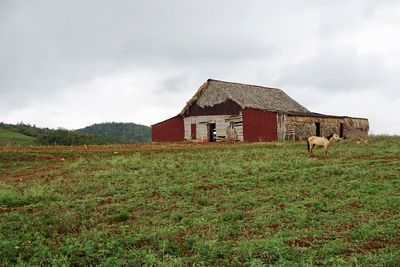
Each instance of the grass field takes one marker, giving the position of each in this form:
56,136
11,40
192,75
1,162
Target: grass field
201,204
9,138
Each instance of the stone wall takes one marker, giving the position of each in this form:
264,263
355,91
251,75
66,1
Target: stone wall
353,128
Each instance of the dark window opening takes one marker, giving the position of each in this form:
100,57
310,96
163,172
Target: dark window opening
318,129
341,130
212,133
193,131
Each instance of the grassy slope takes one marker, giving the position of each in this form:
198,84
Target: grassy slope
228,204
13,138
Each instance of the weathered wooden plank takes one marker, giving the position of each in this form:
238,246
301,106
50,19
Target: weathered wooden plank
221,122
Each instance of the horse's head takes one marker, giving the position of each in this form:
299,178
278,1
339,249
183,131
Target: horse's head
335,136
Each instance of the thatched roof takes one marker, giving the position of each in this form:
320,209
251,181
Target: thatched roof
214,92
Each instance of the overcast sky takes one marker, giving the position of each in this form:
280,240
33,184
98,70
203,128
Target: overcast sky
66,63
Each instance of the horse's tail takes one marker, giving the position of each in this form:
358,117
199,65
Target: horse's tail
308,145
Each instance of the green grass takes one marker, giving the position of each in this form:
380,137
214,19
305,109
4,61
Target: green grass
183,204
9,138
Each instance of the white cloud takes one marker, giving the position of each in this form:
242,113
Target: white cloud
337,69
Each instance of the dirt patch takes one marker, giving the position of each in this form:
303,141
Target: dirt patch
252,233
273,226
30,211
169,209
304,242
221,209
155,194
13,158
6,210
48,157
147,146
343,227
180,236
371,246
354,205
206,187
204,231
374,159
104,202
44,173
389,159
141,243
281,207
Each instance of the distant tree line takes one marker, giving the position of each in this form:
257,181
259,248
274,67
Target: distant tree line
104,133
46,136
119,132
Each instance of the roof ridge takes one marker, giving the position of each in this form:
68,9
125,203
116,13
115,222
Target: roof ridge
253,85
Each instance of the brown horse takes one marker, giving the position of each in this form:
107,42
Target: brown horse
321,141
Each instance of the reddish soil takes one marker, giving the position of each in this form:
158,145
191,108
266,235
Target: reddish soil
221,209
6,158
32,174
273,226
354,205
141,243
104,202
30,211
48,157
149,146
304,242
252,233
5,210
343,227
169,209
182,234
155,194
281,206
371,246
206,187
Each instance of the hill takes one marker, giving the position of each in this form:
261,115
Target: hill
11,138
243,204
46,136
102,133
118,132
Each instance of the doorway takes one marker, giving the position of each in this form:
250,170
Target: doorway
318,129
193,133
212,133
341,130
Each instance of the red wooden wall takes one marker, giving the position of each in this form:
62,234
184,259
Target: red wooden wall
171,130
259,125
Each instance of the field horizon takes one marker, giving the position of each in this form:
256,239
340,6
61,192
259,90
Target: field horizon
201,204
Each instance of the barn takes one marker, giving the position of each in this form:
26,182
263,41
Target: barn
222,111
